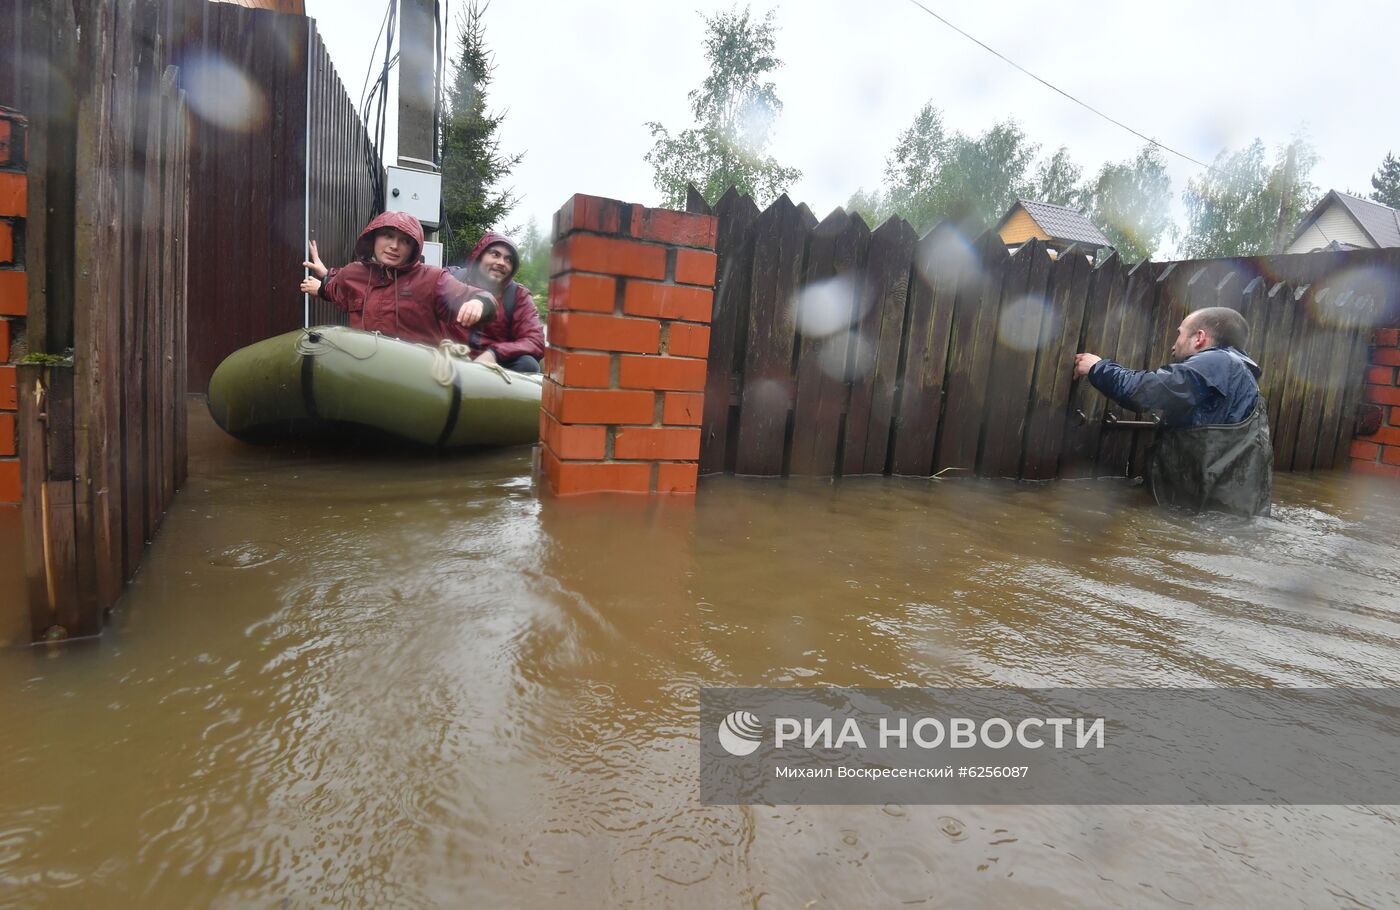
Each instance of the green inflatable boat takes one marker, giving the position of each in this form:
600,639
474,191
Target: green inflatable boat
333,380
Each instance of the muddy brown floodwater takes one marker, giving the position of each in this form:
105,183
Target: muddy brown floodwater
365,681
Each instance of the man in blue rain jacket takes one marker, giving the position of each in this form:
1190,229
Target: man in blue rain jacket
1213,451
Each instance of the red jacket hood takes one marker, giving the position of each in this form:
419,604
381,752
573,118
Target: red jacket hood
364,246
486,240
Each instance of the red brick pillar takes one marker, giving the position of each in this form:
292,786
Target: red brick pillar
629,334
1379,453
14,206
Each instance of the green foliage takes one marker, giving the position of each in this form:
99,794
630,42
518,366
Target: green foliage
734,110
1237,207
1130,202
473,166
534,265
48,360
1059,180
872,206
933,175
1386,182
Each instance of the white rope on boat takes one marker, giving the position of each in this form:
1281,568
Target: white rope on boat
444,366
444,369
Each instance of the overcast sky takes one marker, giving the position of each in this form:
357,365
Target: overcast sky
579,81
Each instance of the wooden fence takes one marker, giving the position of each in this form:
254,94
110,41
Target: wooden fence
256,191
836,350
105,246
170,194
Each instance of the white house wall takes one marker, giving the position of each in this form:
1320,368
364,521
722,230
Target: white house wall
1333,224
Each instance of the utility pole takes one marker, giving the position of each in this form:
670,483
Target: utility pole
418,42
415,186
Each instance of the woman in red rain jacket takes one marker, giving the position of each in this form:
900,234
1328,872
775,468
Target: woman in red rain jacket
389,289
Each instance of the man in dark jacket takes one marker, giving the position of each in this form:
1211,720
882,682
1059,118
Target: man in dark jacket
1214,450
514,338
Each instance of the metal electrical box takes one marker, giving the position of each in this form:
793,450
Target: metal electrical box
432,252
417,193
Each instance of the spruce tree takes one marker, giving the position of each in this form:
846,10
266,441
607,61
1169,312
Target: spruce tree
1386,182
473,165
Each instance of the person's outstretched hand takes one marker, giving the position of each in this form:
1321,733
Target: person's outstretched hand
316,267
1083,363
311,286
472,310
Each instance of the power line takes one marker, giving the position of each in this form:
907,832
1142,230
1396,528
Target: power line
1057,89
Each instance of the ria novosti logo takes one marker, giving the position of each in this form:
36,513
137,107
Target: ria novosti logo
740,733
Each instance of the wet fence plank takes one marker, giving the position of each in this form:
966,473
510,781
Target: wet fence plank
733,270
876,359
969,358
780,243
1053,379
102,440
1084,428
941,261
1015,337
840,351
824,311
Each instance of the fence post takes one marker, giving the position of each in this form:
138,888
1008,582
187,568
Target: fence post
630,299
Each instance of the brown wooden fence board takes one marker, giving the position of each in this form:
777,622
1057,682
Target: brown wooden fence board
876,364
1054,369
1126,332
825,309
1337,301
1164,311
734,270
1254,302
1171,303
143,409
129,322
942,260
780,241
97,274
1084,423
1017,338
1273,359
969,357
1295,352
181,270
112,181
1255,298
1311,378
1335,375
1229,292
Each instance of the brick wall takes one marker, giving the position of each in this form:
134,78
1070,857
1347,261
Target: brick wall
1379,453
630,295
14,195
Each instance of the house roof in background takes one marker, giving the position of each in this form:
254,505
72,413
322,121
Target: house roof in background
277,6
1380,222
1060,221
